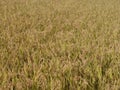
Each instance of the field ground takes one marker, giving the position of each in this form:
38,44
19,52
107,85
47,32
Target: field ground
59,45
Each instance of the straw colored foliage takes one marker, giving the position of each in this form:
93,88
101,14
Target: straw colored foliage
59,45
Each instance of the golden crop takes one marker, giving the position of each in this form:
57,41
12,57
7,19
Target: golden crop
59,45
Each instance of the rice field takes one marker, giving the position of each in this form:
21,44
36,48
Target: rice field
59,45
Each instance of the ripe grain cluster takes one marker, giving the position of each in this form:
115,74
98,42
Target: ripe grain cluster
59,45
